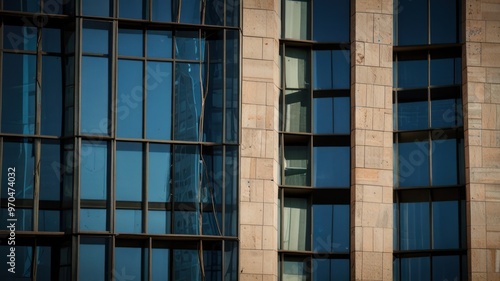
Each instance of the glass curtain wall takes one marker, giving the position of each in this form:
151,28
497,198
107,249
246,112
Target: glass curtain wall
314,141
429,181
121,120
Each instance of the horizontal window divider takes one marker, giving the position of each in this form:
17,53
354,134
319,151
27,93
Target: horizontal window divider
450,133
428,252
331,93
24,136
315,45
172,237
449,48
27,235
29,15
19,203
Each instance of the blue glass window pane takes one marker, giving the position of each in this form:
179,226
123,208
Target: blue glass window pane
341,215
232,85
51,40
212,261
52,94
95,96
332,166
323,116
322,270
92,260
187,101
411,19
458,71
186,222
19,37
413,115
341,115
133,9
445,227
188,46
232,12
395,272
50,172
93,219
94,170
159,173
130,99
162,10
230,260
341,269
23,256
446,268
159,100
160,264
159,44
130,42
341,69
412,73
128,171
231,191
95,38
48,220
331,20
297,165
130,263
186,264
322,228
415,269
296,231
20,156
414,226
444,162
323,69
158,222
214,14
444,113
18,94
413,163
443,21
96,8
44,263
443,72
190,11
22,6
295,269
128,221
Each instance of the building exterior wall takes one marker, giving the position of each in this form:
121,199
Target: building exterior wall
481,56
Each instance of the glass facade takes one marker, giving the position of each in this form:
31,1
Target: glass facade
429,166
315,146
121,120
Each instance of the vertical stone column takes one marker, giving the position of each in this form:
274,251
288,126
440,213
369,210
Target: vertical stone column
259,141
481,88
371,140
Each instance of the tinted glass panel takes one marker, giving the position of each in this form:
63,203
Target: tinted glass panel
444,162
331,20
296,233
19,37
159,100
130,42
186,222
186,173
23,257
412,115
92,260
96,8
162,10
23,6
332,166
159,44
94,95
322,228
341,214
18,94
94,170
444,113
51,40
92,219
186,264
128,221
159,173
190,11
130,262
297,115
414,226
50,176
44,258
297,19
187,101
295,269
412,73
188,45
411,22
232,85
323,116
95,37
160,264
231,191
446,268
232,12
443,21
158,222
214,14
134,9
24,219
297,166
20,156
52,93
130,99
297,68
128,171
415,269
341,268
48,220
341,69
413,163
323,69
445,225
443,72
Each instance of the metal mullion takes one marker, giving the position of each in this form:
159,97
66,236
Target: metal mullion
109,253
1,157
429,23
36,193
145,187
144,83
224,81
34,260
1,71
430,199
76,184
223,224
170,198
38,86
173,68
114,76
78,63
150,258
111,189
